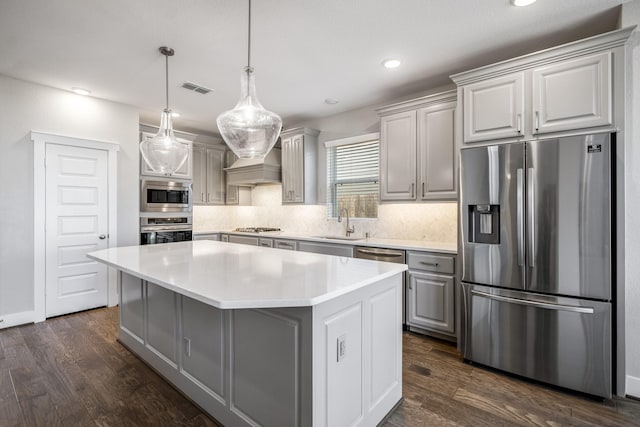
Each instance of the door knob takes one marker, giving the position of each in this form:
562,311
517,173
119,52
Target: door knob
102,237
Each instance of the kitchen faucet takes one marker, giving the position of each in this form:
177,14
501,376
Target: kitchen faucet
349,229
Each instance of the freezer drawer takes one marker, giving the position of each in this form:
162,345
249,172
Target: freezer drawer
561,341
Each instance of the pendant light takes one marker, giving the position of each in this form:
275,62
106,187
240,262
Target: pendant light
249,130
164,153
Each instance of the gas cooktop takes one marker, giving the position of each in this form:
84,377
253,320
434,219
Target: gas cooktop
256,229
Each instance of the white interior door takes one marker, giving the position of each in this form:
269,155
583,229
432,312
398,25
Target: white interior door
76,223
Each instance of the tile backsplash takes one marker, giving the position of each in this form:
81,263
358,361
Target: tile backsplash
411,221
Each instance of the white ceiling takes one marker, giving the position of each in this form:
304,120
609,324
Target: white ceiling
303,51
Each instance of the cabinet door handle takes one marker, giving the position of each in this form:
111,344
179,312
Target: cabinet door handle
413,187
432,264
537,121
202,197
519,123
423,189
410,284
208,197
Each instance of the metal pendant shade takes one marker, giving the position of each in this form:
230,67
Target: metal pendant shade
249,129
164,153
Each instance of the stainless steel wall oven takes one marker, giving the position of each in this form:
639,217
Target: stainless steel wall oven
165,229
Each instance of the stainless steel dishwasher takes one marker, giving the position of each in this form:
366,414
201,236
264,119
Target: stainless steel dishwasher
387,255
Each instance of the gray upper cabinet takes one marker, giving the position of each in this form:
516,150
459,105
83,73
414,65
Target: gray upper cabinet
567,88
398,144
232,192
208,175
417,160
436,158
494,108
299,156
573,94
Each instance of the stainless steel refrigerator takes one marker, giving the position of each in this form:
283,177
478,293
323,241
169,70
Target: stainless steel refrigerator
537,259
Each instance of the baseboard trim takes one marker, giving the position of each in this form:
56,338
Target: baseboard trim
633,386
15,319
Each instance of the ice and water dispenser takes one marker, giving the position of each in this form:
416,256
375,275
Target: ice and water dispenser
484,224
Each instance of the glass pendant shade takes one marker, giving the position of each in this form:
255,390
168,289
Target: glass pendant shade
249,130
164,153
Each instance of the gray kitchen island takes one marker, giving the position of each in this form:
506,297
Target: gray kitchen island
262,336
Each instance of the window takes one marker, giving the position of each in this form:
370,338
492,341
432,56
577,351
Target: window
353,170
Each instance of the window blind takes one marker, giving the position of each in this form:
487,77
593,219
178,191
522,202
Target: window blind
352,179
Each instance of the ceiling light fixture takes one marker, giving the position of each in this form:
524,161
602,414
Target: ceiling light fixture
391,63
80,91
164,153
249,130
522,2
331,101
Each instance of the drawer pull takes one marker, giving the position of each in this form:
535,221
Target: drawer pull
388,254
433,264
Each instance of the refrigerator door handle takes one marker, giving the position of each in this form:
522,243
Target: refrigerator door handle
538,304
531,218
520,215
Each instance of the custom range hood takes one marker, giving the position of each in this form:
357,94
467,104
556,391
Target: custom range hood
249,172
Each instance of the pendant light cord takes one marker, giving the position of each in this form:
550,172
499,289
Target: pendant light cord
166,80
249,39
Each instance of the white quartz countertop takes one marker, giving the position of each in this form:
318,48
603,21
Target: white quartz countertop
227,275
418,245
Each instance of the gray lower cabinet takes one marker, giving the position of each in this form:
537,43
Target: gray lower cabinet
431,292
326,248
266,243
131,305
203,345
290,245
244,240
161,322
207,236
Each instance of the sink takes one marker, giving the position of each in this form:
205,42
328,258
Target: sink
338,237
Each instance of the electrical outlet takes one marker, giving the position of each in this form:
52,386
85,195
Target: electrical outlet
342,347
187,347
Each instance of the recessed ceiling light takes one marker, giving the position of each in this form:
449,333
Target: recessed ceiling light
522,2
175,114
80,91
331,101
391,63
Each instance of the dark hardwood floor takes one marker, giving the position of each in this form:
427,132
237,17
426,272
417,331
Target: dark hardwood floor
70,371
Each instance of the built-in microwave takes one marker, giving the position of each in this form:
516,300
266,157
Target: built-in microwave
165,196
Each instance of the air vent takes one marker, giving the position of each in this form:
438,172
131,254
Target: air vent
196,88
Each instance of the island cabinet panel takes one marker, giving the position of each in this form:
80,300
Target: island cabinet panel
358,377
203,345
131,306
383,355
161,322
265,361
344,376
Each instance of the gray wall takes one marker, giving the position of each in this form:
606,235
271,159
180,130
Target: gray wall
631,16
25,107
